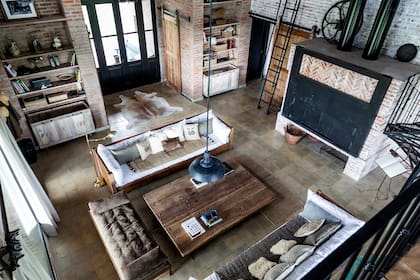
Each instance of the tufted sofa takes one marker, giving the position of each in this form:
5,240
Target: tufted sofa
317,206
133,252
133,172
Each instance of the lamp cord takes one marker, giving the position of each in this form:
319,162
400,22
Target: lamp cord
208,76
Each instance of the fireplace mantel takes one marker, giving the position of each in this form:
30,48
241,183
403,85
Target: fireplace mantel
343,100
383,65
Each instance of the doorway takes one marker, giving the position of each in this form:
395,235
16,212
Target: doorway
259,37
123,39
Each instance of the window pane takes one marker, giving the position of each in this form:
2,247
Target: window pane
95,56
111,50
147,14
132,47
150,44
106,22
128,17
87,21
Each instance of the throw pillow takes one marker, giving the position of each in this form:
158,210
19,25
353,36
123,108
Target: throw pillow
155,144
297,254
322,234
175,131
171,144
260,267
309,228
191,132
279,271
161,135
126,154
144,148
203,126
281,247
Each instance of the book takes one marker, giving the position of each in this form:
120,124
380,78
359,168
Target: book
228,169
211,218
193,228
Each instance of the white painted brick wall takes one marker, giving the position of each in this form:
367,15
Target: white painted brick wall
405,27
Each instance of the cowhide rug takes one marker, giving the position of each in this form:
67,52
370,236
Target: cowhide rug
143,107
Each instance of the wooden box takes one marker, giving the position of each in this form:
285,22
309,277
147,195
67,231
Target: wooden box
206,62
222,80
219,47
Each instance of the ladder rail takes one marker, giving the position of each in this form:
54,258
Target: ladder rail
273,67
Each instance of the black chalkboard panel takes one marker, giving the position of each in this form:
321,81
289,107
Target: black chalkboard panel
343,120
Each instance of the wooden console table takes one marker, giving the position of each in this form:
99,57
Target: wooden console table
235,197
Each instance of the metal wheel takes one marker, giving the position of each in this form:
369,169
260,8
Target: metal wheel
333,21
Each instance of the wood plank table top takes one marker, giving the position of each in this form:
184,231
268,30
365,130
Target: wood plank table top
235,197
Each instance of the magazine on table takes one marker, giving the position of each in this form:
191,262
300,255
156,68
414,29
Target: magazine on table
228,169
211,218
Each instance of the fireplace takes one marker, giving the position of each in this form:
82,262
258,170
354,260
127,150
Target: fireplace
343,100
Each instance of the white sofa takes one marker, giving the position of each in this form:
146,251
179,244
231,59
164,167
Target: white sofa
130,175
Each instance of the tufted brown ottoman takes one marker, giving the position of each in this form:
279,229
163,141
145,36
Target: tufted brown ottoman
135,254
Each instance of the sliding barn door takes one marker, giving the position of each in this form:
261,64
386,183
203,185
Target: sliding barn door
170,26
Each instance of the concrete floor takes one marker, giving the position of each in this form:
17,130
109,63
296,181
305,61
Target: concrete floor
67,172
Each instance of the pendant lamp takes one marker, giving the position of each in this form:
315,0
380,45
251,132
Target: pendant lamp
207,168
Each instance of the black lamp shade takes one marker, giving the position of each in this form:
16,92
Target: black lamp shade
206,169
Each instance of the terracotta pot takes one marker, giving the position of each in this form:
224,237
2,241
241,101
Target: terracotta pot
313,139
293,134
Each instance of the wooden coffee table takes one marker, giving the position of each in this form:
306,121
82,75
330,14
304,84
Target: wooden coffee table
235,197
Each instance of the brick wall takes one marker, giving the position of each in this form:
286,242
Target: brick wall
191,40
44,32
79,35
405,27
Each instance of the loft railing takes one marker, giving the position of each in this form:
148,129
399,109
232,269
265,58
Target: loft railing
404,124
372,251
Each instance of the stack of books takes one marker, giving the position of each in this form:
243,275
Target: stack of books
19,86
211,218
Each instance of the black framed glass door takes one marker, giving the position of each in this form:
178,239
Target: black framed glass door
123,39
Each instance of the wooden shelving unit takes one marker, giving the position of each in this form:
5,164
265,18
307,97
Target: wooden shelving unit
28,55
55,104
38,20
232,23
222,60
57,86
222,3
45,70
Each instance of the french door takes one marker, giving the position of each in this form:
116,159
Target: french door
123,39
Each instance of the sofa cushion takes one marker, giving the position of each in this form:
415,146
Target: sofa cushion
191,132
322,234
202,127
155,144
171,144
297,254
309,228
144,148
100,206
279,271
281,247
175,131
126,154
260,267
